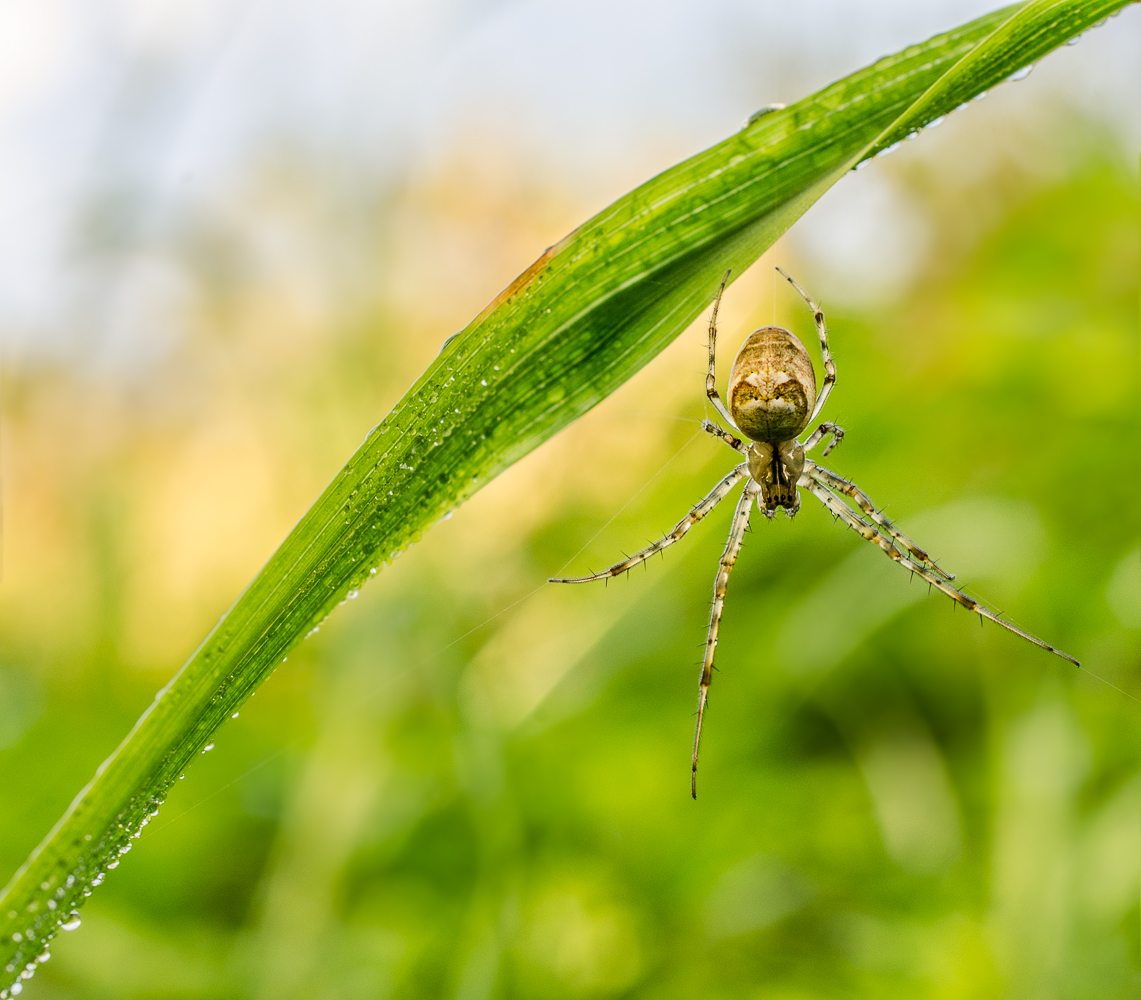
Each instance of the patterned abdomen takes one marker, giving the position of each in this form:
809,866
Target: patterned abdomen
772,387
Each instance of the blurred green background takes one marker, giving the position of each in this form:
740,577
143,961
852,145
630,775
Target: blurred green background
472,784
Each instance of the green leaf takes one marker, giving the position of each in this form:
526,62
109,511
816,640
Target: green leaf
588,314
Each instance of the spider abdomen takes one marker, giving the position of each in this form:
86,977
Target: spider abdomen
772,387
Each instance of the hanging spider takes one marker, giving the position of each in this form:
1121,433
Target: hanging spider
772,399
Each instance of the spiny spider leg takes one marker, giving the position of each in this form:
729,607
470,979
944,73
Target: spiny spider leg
834,482
871,534
825,354
715,496
720,585
735,443
822,432
711,378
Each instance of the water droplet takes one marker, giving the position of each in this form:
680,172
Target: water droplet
98,880
17,937
234,716
372,571
182,777
52,904
352,595
43,957
45,886
936,122
17,988
1075,40
72,923
1022,74
208,747
979,96
112,864
483,381
448,516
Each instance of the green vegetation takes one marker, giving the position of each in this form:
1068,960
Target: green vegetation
535,822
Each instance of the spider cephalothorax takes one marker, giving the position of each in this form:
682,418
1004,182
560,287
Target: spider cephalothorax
776,466
772,399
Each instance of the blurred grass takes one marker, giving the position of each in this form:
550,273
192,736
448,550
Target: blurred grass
932,810
928,814
589,313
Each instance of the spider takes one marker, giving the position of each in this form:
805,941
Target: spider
772,399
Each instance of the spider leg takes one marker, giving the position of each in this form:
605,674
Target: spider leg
728,559
825,354
733,442
715,496
711,378
820,434
834,482
872,534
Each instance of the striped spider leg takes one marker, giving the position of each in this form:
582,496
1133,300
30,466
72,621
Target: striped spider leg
770,400
825,354
720,585
825,485
699,511
728,559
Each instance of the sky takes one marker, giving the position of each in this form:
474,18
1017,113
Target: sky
127,115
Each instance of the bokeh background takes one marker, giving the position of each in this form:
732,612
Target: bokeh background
232,235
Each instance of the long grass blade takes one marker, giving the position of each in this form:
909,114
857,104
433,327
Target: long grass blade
588,314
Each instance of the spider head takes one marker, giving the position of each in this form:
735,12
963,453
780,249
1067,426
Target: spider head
776,469
772,387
